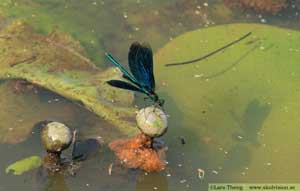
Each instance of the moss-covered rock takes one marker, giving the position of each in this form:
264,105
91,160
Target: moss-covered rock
56,137
152,121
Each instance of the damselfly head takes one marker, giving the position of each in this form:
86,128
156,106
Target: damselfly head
158,102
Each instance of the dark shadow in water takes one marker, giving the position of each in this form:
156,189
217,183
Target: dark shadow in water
252,121
250,124
238,158
235,63
56,182
45,181
83,149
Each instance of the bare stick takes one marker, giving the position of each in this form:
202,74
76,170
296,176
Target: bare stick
30,59
211,53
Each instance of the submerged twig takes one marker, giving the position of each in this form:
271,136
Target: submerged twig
110,168
211,53
5,37
74,138
72,51
30,59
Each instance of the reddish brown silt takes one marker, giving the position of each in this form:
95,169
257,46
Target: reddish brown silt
138,153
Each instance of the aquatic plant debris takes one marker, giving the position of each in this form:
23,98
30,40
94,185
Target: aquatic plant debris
24,165
136,153
57,62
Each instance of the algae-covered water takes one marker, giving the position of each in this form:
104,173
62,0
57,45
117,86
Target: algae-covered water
236,110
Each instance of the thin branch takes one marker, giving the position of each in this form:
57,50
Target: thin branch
72,51
6,37
30,59
211,53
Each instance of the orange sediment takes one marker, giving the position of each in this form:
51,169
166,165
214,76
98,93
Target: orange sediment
138,153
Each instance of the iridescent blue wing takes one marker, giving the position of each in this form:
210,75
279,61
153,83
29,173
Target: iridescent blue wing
124,85
123,70
140,60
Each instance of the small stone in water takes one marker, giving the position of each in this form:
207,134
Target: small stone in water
197,12
201,173
263,20
182,181
56,137
215,172
198,75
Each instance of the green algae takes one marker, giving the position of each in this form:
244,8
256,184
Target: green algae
240,104
44,15
128,21
24,165
58,63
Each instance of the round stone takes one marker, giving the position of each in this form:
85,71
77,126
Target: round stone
152,121
56,137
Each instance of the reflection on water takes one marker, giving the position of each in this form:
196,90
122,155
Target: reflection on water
51,181
111,25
